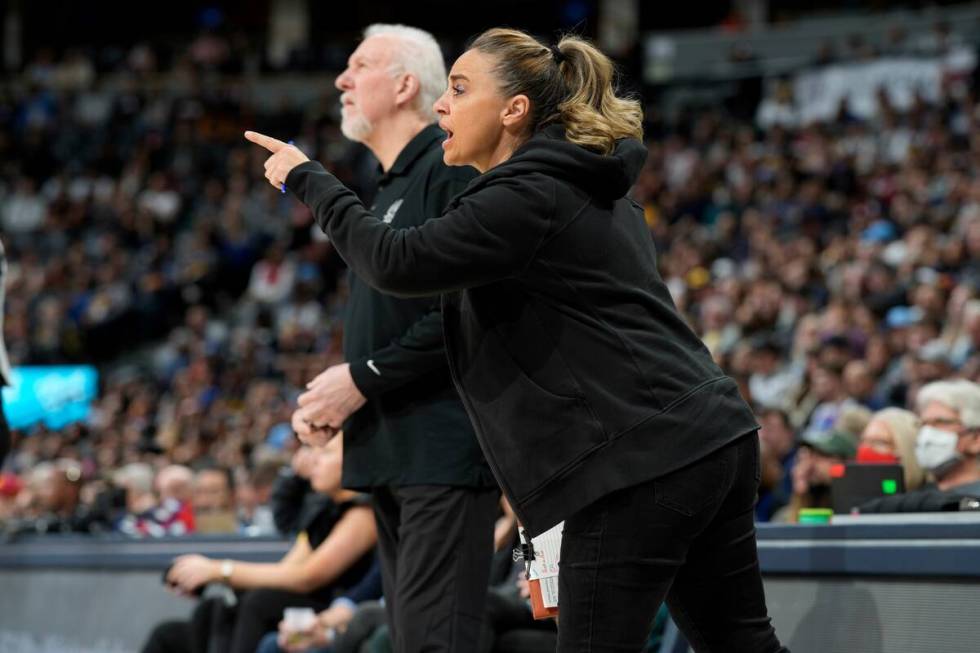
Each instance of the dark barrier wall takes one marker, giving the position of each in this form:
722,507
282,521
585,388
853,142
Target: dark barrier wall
874,585
86,595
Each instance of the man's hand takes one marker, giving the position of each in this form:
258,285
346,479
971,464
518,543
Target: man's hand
331,398
308,435
284,157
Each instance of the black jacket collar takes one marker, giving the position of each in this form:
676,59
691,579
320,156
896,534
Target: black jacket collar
416,147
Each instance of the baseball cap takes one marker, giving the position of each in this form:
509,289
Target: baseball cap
902,316
879,231
831,443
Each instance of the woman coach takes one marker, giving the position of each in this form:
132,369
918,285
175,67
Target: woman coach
593,401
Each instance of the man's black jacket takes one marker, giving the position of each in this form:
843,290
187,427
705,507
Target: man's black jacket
413,429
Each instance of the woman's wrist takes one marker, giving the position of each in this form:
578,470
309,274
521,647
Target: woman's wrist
224,569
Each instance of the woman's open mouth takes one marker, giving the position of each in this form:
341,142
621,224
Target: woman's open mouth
449,134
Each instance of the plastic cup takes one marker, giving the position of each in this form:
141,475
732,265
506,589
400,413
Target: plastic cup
299,619
815,515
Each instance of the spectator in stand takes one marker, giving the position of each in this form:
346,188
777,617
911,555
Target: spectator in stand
828,390
214,500
175,482
859,384
890,438
948,445
966,343
174,485
145,515
778,453
947,448
772,381
331,555
56,489
272,277
253,493
818,453
293,500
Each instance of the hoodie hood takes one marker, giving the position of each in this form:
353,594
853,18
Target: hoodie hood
607,177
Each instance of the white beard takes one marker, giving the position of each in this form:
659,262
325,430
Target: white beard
356,128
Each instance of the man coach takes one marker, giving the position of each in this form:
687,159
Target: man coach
407,438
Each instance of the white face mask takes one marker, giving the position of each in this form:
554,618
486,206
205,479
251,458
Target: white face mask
935,449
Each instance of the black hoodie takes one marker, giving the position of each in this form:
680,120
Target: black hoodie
578,372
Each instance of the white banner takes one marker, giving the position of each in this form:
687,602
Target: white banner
819,93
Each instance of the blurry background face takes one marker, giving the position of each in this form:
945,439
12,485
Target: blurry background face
47,488
826,384
812,470
211,491
775,433
764,361
942,417
879,437
327,466
858,380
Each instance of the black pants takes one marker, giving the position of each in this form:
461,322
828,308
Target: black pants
687,537
435,544
214,627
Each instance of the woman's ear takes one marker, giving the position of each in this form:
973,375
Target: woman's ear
516,111
408,88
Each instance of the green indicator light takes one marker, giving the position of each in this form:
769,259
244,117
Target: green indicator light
889,486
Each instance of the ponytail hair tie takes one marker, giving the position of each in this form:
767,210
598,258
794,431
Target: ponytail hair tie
557,54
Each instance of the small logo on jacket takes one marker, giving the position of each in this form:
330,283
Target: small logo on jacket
392,210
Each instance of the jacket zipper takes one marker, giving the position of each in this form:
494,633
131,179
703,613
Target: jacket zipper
478,429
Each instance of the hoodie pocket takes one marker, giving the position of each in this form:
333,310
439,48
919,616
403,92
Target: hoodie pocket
535,434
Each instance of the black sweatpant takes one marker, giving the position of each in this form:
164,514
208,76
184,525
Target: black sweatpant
435,544
687,537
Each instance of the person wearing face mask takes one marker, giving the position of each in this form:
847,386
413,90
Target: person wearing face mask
595,403
890,438
947,447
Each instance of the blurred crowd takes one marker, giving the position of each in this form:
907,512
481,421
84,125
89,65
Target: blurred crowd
139,237
833,269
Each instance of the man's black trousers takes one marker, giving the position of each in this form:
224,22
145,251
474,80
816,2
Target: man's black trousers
435,544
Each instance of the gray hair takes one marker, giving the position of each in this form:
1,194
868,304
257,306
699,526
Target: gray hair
959,394
418,54
971,310
137,477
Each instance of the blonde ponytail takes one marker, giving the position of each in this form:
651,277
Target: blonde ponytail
593,115
571,84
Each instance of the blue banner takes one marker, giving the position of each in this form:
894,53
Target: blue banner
57,395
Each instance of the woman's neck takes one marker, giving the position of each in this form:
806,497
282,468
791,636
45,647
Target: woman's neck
505,148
